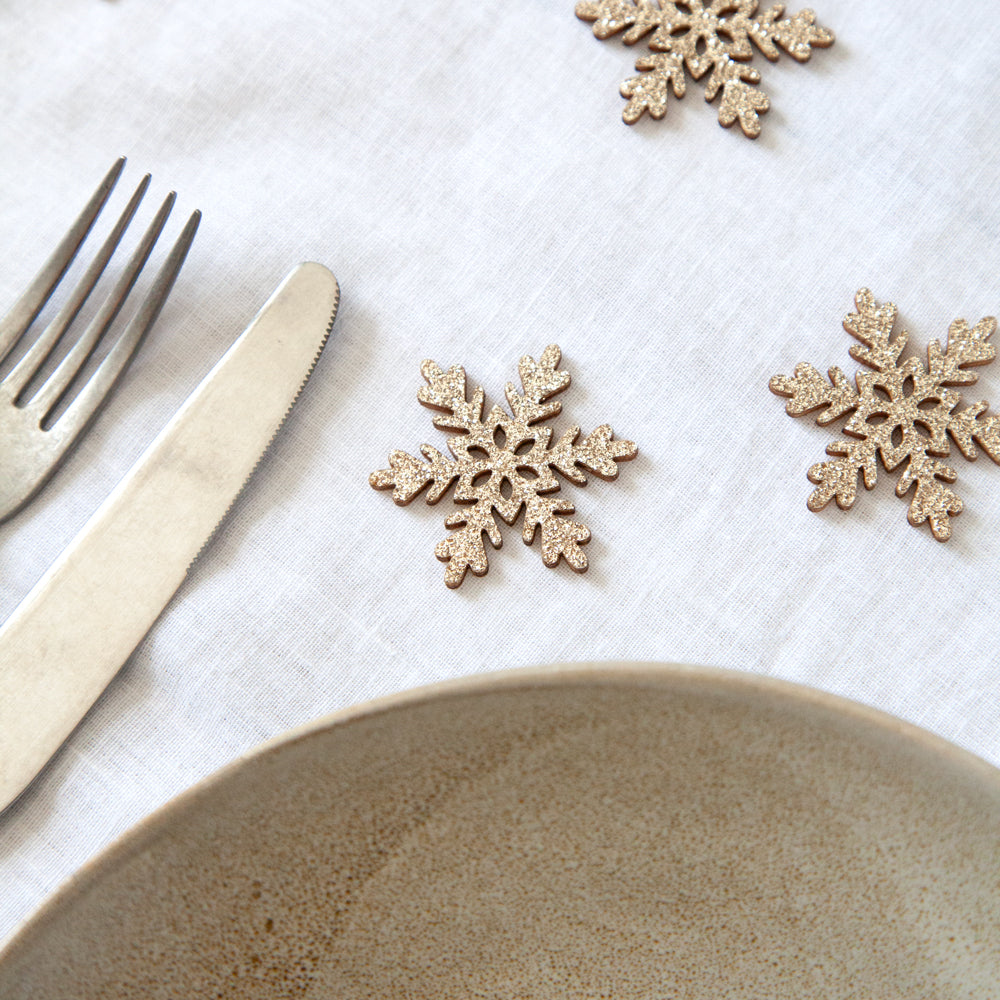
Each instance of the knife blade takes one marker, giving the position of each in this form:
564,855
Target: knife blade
76,628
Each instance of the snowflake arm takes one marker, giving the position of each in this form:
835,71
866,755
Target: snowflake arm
464,549
967,347
539,381
661,73
901,411
798,35
561,537
838,480
703,35
965,427
503,464
639,17
407,476
933,501
807,392
445,391
740,98
599,452
872,324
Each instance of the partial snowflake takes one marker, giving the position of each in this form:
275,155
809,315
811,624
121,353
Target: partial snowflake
901,412
703,37
503,464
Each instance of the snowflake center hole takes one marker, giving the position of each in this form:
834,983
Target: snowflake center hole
526,472
481,478
927,404
506,489
477,453
875,419
524,447
908,385
499,437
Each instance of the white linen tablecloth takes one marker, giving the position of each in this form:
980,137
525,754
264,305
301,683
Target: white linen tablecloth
464,170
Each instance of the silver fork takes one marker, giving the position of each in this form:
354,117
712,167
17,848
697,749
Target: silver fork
33,438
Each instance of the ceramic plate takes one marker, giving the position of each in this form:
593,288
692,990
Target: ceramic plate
652,832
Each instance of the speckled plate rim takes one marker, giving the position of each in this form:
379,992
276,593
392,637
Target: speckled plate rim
158,823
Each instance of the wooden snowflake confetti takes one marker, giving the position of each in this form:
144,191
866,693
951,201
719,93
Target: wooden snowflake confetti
503,464
703,36
901,412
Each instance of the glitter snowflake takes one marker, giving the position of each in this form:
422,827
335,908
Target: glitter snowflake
703,36
902,412
503,464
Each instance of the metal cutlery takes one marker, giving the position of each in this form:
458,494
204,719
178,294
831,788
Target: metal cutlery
75,629
46,403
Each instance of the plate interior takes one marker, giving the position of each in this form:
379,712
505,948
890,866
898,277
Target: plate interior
644,833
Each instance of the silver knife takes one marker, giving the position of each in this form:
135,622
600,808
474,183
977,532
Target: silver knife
72,633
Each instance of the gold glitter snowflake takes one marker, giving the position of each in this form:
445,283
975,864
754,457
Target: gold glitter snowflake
703,36
503,464
901,412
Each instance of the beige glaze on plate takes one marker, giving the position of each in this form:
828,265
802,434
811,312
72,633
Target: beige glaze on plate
619,832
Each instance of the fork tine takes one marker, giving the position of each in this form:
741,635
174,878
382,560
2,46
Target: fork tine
88,401
54,388
29,305
34,358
